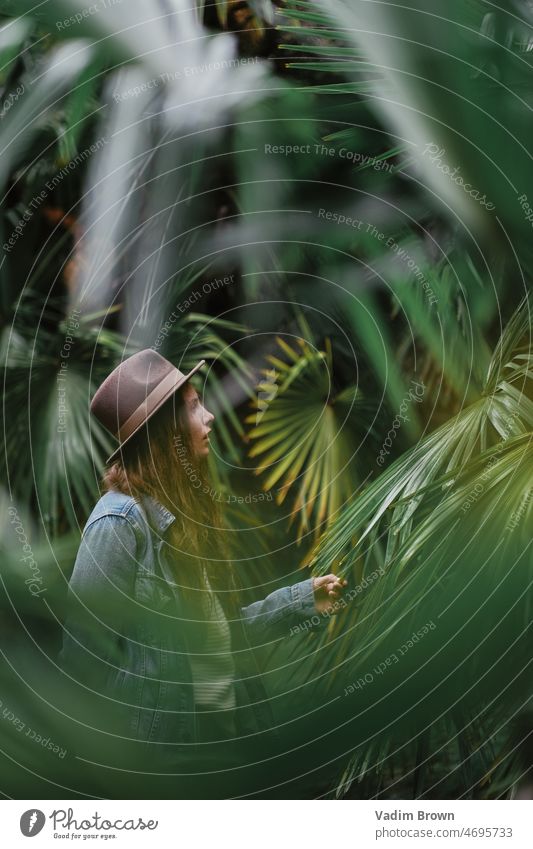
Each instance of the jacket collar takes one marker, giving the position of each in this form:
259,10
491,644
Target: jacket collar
158,515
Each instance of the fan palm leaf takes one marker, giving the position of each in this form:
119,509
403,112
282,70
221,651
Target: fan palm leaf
504,410
302,434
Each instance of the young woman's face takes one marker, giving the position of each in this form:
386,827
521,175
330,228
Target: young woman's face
199,420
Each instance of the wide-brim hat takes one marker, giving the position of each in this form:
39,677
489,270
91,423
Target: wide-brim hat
134,391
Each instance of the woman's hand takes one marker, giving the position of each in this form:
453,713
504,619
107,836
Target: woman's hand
327,590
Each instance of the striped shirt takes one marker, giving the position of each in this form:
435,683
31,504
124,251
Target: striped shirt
213,668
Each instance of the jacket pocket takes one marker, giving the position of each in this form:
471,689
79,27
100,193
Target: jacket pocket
153,592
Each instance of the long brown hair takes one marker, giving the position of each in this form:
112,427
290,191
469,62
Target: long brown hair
159,461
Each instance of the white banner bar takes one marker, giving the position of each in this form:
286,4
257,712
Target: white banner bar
269,824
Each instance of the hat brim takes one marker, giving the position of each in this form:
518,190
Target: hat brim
179,383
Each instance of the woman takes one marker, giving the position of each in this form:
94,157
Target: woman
155,633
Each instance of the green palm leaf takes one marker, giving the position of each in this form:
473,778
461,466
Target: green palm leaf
503,411
302,434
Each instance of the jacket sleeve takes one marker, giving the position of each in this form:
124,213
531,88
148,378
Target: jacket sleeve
99,598
282,613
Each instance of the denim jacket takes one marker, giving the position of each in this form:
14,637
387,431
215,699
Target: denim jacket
124,636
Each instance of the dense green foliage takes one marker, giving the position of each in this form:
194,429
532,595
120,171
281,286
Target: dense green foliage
333,209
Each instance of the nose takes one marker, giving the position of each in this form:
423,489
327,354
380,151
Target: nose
209,417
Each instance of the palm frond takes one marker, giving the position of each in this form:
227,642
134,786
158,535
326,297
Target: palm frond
503,411
301,432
